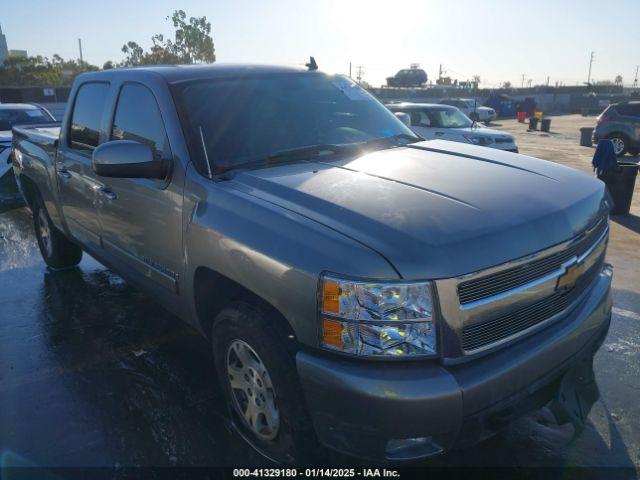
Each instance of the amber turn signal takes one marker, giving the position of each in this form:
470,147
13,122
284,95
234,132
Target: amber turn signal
331,297
332,331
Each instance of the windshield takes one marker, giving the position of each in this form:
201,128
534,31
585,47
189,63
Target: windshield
239,121
447,118
22,116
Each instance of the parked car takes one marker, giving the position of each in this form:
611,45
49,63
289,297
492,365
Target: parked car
408,77
443,122
387,297
472,109
620,122
12,114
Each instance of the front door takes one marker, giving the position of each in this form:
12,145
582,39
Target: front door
78,185
141,218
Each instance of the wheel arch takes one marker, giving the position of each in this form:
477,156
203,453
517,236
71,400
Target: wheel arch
213,291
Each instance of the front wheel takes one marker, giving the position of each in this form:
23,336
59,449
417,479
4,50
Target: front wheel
259,379
57,250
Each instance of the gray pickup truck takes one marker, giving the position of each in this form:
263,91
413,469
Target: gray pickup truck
363,289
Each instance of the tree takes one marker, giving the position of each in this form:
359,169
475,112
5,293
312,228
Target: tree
506,84
40,71
618,80
192,43
476,79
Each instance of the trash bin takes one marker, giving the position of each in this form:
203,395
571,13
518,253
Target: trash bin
545,125
521,116
533,123
585,136
620,182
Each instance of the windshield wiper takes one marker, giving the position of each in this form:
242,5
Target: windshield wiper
289,155
309,152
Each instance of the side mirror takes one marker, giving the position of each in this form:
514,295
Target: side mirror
127,159
404,118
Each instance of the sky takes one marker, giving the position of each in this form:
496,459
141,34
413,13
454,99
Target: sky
499,40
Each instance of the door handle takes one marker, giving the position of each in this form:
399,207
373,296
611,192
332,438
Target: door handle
106,193
63,172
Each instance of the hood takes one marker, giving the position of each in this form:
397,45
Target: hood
438,209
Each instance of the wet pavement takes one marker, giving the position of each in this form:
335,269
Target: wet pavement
93,372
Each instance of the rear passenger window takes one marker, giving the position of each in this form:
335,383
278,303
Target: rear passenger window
138,118
630,109
87,116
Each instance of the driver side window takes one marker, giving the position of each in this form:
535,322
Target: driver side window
419,119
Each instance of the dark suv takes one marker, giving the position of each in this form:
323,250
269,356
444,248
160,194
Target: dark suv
408,77
620,122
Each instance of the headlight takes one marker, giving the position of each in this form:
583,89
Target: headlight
478,139
374,319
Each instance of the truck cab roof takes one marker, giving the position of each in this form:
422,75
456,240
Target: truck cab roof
183,73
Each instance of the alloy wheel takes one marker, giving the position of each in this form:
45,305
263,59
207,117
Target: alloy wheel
45,232
252,391
618,145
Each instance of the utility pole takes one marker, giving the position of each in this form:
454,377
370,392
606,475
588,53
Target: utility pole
522,82
440,72
80,48
547,80
590,63
359,73
635,81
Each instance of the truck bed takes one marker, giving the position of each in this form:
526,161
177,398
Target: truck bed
40,133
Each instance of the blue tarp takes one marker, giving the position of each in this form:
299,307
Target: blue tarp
605,157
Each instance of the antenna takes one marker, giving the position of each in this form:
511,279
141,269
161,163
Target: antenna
312,65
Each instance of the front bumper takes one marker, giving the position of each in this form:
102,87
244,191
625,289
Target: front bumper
358,406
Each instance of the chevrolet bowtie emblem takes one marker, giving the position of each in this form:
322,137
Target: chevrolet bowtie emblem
568,279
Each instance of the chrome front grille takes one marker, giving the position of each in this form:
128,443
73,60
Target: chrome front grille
481,334
491,285
485,309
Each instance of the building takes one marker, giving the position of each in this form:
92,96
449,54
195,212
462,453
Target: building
4,52
18,53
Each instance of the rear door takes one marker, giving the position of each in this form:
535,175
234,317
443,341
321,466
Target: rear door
77,183
142,218
421,124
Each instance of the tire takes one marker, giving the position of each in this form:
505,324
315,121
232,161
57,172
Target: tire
241,331
57,250
620,143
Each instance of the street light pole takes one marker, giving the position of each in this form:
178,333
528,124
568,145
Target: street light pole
590,64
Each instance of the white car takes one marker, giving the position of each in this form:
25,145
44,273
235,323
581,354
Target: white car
472,109
442,122
17,114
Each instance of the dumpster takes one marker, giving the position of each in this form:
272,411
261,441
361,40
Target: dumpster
521,116
585,136
533,123
620,182
545,125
